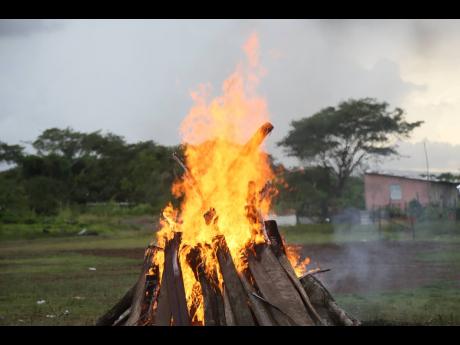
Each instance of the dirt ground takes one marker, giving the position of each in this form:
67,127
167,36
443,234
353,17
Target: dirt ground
380,265
359,267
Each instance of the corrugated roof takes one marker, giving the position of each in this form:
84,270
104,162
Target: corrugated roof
412,175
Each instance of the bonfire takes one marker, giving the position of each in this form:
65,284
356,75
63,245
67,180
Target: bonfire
217,259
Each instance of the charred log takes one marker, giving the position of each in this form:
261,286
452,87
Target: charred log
278,248
109,318
212,297
236,295
174,282
276,287
138,302
325,304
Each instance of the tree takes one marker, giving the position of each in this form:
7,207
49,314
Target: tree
305,190
64,142
342,138
448,177
11,153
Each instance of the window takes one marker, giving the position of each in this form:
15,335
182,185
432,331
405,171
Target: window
395,192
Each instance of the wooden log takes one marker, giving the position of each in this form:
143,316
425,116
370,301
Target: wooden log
163,314
229,317
274,236
278,248
118,309
126,301
212,296
252,144
196,301
237,297
123,318
260,310
175,283
139,293
257,139
325,304
276,286
151,291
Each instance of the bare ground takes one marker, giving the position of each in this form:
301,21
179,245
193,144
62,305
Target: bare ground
380,265
358,267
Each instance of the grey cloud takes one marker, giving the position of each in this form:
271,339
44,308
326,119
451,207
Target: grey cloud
25,27
134,77
442,157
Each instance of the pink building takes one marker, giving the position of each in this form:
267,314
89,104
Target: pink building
386,189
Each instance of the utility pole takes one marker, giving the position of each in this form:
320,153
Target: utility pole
426,160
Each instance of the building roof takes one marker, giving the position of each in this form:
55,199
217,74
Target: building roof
411,175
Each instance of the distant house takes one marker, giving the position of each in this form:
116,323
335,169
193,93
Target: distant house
397,190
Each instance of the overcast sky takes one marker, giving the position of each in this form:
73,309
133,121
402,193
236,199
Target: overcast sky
134,77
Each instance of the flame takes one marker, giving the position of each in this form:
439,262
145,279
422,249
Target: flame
214,133
293,254
226,168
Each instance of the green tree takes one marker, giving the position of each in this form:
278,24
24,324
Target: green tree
66,142
306,190
342,138
11,153
448,177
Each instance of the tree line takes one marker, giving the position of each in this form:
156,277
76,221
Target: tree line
70,167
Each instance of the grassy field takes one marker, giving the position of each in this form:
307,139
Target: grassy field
436,304
58,267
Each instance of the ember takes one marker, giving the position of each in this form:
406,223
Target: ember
217,260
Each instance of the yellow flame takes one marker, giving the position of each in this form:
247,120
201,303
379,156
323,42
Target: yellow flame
220,169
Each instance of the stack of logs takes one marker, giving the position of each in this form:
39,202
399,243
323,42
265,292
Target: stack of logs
266,293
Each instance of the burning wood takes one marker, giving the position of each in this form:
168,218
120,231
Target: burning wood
237,297
325,304
213,302
266,293
174,283
277,288
221,263
218,263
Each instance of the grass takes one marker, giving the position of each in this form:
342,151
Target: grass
48,266
442,257
74,294
69,222
436,304
340,233
52,267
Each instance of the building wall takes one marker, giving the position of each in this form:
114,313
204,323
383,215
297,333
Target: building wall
289,219
378,191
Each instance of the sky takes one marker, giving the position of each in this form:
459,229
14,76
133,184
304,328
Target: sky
134,77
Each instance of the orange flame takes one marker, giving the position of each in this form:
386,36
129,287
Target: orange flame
214,132
293,254
224,175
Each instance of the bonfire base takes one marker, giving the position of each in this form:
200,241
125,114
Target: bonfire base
267,293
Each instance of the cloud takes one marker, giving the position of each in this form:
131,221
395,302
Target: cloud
134,77
442,157
26,27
